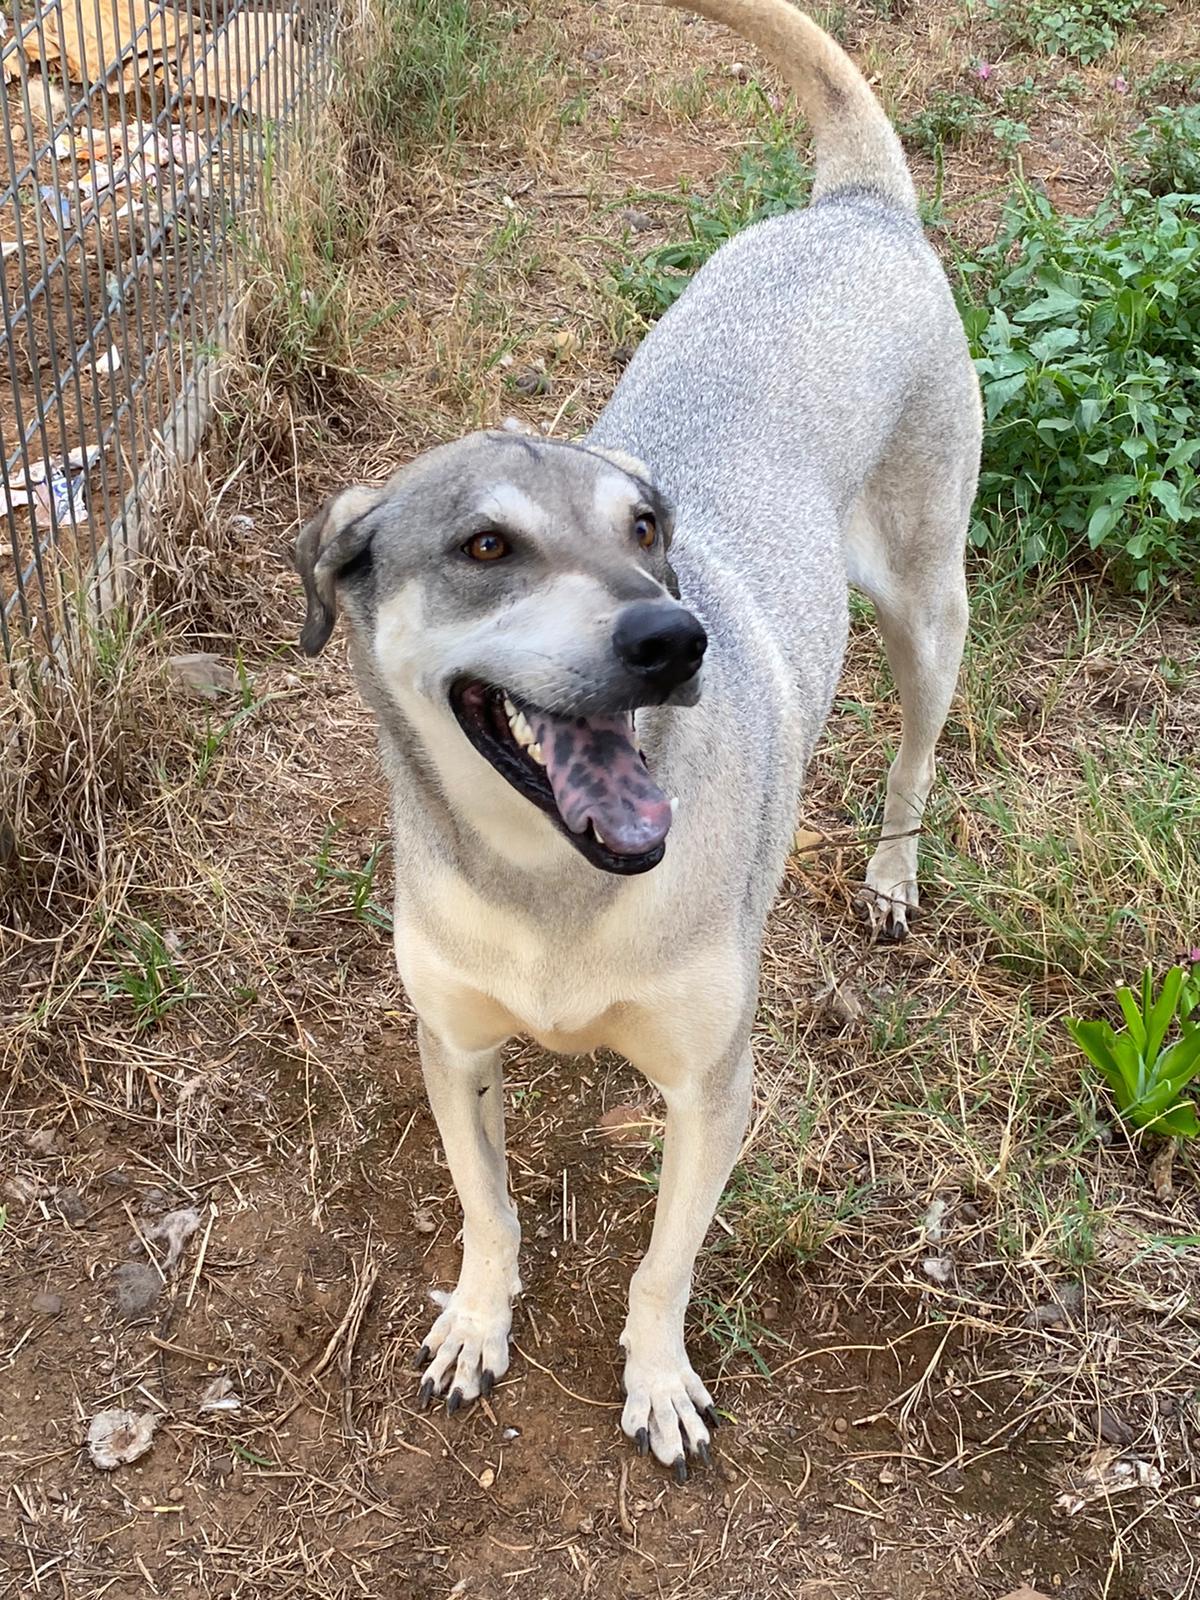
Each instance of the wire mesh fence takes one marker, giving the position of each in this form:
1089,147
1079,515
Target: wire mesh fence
138,137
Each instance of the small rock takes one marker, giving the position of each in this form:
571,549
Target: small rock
840,1425
23,1191
510,1434
629,1124
116,1438
939,1268
738,70
42,1141
422,1220
531,382
637,221
223,1467
487,1478
623,354
136,1288
202,674
1113,1428
47,1303
154,1201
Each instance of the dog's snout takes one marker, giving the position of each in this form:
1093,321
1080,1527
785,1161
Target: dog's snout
661,642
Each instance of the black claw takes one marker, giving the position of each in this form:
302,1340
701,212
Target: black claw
711,1419
702,1451
642,1440
425,1394
454,1401
424,1357
680,1470
488,1384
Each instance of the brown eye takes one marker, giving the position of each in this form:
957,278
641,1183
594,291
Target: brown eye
645,530
486,547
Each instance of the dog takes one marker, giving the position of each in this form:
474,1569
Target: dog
599,669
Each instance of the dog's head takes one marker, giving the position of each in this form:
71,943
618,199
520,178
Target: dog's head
522,588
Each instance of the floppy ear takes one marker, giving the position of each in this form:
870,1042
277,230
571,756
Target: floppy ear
328,543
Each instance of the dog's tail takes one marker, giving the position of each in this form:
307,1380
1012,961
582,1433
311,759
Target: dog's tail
856,145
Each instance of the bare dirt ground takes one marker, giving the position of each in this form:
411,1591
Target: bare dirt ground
949,1313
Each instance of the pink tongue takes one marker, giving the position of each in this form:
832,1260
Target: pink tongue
598,776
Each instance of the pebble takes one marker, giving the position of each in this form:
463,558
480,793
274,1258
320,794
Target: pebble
840,1425
487,1478
531,382
47,1303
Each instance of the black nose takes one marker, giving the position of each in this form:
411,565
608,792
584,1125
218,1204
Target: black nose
661,642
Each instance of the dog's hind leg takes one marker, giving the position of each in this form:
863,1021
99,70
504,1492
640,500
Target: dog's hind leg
467,1347
906,554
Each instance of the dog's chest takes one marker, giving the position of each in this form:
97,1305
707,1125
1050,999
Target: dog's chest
558,981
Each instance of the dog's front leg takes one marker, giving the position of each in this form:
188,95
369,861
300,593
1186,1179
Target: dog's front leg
667,1408
467,1347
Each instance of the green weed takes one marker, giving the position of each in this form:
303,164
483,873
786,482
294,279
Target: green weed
148,976
1147,1075
357,884
1084,30
947,117
1084,332
1167,147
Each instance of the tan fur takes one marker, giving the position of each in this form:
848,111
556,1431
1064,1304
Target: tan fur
856,145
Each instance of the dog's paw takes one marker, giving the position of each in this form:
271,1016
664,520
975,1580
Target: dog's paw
668,1411
466,1350
887,901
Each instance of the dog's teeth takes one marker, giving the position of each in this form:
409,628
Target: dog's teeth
521,731
509,708
600,839
535,750
674,804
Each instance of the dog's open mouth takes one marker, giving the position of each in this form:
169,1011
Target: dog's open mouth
586,773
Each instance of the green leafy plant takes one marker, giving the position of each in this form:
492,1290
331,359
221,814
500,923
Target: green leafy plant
1146,1075
1085,333
1085,30
947,117
1167,146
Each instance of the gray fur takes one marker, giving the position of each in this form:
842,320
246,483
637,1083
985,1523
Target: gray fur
809,413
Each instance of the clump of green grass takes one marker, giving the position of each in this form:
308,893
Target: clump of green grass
769,179
148,977
1083,30
427,74
1072,876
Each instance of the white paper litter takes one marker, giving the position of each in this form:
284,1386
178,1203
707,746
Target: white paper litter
116,1438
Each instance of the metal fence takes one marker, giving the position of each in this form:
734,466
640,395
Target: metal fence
138,136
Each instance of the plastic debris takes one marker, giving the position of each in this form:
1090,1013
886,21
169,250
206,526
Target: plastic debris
116,1438
51,489
219,1395
1108,1473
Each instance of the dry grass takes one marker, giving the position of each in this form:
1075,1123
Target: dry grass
956,1271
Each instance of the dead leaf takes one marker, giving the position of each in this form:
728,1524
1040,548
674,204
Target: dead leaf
219,1395
805,842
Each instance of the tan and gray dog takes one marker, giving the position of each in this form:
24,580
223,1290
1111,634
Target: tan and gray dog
590,825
